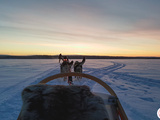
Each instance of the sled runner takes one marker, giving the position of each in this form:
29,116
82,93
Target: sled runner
76,102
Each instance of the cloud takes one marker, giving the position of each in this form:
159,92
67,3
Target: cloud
81,23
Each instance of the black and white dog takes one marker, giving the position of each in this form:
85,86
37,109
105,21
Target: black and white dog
78,66
65,67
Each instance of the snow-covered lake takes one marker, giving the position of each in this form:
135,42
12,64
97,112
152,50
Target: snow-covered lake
135,81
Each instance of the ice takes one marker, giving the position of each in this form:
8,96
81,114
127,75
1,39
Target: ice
136,82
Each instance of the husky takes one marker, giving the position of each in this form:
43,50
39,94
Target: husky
78,66
65,67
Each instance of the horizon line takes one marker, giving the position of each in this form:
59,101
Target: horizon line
78,55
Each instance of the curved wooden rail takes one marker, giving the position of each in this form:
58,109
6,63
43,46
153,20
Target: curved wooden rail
108,88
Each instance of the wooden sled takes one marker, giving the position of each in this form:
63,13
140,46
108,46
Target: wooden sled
112,104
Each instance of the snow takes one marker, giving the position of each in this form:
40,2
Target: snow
135,81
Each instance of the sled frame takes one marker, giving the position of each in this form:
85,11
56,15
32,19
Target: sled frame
120,109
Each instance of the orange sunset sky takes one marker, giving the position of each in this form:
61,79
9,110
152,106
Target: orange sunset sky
80,27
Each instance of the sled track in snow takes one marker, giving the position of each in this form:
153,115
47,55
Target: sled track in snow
110,71
136,80
106,70
114,67
100,72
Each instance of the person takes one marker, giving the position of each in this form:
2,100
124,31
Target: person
78,66
60,57
65,67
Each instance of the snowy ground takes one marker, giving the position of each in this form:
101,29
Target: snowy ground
136,82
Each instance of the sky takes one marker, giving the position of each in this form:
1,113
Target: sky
80,27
